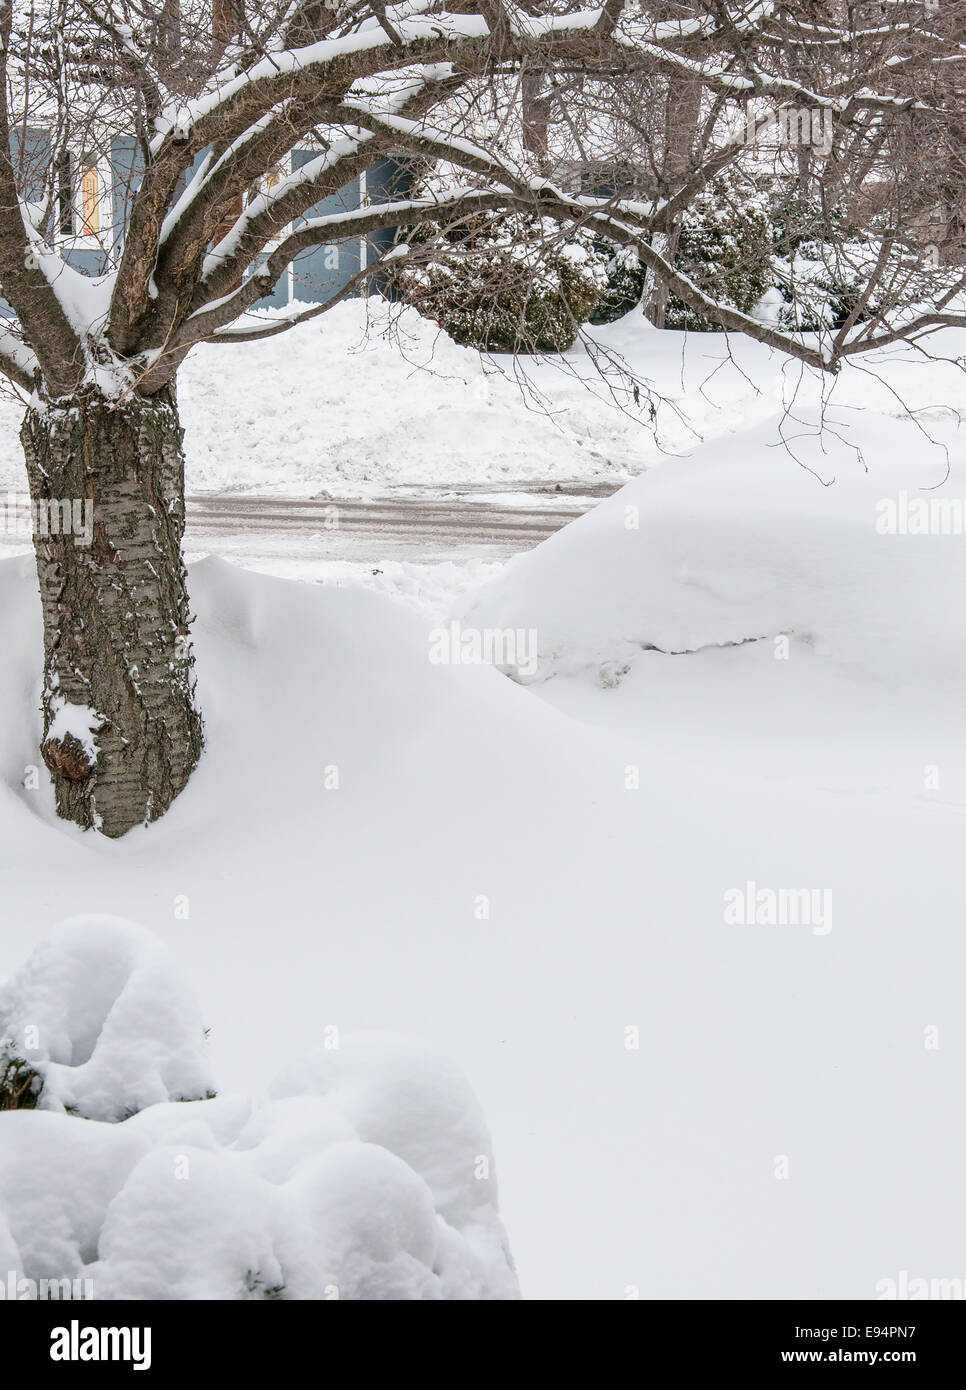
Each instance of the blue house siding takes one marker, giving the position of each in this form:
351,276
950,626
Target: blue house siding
320,273
127,169
89,261
30,152
388,181
279,296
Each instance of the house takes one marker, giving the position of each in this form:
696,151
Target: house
93,196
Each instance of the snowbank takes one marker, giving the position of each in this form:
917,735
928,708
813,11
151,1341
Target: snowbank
743,543
367,1174
682,1107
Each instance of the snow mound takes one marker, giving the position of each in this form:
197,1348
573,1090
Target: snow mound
744,544
100,1014
366,1174
399,1095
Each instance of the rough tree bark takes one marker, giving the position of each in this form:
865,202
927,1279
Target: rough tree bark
682,113
115,610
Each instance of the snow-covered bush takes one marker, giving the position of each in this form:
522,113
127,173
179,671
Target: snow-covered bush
725,248
624,285
503,282
104,1021
20,1085
820,283
366,1173
822,264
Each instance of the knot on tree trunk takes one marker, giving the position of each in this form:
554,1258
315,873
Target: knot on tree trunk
67,757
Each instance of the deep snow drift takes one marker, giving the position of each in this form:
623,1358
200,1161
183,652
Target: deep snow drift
533,878
742,609
365,1174
739,545
680,1106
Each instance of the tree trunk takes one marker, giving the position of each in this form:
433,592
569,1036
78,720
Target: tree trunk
122,732
656,293
682,113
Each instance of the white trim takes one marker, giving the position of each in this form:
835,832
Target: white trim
363,202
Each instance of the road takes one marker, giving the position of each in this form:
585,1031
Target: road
416,524
423,525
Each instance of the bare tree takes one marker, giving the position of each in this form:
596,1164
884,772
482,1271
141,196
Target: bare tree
212,101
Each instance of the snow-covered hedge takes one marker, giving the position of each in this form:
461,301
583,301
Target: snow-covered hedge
821,283
823,263
503,282
103,1020
366,1173
725,248
625,281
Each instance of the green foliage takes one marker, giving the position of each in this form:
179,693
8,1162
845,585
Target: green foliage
626,278
503,282
725,248
255,1287
20,1085
823,264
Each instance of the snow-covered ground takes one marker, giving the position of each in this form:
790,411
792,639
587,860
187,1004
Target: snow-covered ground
738,680
368,398
365,1173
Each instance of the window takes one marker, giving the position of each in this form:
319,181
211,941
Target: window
90,201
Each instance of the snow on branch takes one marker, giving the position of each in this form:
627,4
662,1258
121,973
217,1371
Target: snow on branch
18,362
216,213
